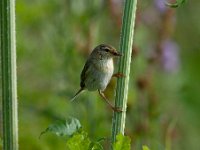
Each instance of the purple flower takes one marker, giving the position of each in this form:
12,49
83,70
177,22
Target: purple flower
170,56
160,5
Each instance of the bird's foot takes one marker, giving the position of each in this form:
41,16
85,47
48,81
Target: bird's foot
117,109
119,75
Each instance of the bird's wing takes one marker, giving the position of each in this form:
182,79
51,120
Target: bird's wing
84,73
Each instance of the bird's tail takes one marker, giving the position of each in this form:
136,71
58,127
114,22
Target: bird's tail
79,92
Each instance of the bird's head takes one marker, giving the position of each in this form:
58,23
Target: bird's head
106,51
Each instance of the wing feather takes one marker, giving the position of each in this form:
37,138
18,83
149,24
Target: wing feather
84,73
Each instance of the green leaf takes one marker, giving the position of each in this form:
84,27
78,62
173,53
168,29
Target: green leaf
95,146
144,147
76,138
176,4
64,128
79,141
122,143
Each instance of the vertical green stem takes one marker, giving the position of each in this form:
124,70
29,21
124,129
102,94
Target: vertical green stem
8,73
126,41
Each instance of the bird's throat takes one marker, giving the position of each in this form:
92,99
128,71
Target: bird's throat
105,65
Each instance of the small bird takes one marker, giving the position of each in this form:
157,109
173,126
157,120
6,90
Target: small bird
98,71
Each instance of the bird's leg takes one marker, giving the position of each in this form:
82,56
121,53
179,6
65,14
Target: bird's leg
106,100
118,75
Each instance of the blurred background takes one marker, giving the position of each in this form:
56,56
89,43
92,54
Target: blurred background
54,38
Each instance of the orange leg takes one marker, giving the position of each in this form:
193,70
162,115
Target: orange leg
118,75
106,100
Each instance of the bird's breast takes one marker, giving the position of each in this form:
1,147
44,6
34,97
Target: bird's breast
100,75
106,66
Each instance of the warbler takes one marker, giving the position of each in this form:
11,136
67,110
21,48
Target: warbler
98,71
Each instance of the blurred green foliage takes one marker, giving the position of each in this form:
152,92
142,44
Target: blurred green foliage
122,143
79,141
176,4
1,143
54,38
74,135
145,147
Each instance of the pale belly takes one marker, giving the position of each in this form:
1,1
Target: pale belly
99,76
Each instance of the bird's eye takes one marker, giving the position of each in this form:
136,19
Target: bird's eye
107,50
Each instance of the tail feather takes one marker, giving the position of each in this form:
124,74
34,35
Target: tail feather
79,92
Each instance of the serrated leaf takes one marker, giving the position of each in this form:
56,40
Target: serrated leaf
144,147
176,4
64,128
95,146
79,141
122,143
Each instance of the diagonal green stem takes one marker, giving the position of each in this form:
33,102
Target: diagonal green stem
126,42
8,73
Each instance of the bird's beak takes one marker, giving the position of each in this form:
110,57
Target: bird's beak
117,53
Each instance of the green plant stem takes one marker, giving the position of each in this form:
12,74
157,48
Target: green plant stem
8,73
126,41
